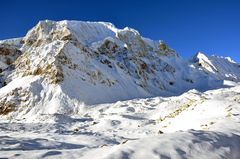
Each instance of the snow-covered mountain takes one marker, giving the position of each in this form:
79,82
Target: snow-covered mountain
73,89
59,67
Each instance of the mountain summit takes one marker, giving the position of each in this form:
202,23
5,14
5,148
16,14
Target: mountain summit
60,67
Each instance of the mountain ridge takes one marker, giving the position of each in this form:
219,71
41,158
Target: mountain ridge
71,64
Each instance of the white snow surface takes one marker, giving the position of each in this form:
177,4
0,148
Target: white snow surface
193,125
78,89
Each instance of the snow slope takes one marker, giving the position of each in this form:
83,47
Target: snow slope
91,88
193,125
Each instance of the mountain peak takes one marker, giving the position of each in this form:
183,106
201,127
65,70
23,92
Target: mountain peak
200,55
74,62
84,32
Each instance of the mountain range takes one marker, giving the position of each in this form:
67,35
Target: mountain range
63,69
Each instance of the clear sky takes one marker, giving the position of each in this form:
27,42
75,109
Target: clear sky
188,26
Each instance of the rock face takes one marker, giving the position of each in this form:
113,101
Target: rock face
60,66
8,55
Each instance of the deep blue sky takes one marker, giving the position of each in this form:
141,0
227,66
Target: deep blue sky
188,26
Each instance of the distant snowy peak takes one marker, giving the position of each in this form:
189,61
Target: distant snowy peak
222,67
203,61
